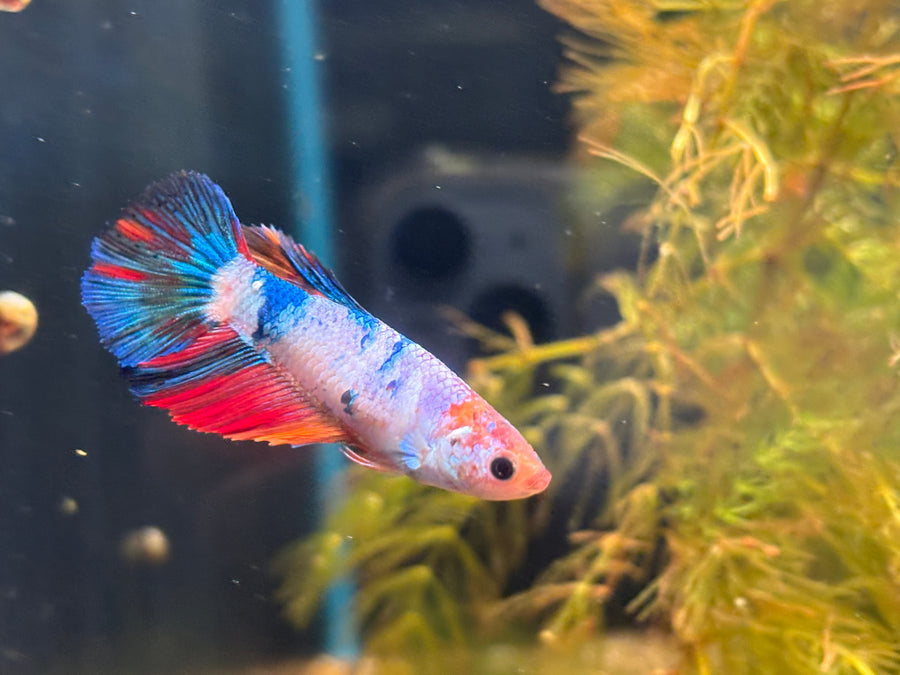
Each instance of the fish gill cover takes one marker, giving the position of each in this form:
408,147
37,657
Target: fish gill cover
727,457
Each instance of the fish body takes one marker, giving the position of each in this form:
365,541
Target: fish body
240,331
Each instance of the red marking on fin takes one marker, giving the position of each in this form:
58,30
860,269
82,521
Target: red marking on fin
242,247
206,341
134,231
161,223
117,272
219,384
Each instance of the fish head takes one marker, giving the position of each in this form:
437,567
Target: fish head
476,451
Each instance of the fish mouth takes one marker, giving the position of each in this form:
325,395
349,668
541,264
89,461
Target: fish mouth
538,481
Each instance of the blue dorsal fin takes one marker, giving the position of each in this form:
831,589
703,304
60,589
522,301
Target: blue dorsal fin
282,256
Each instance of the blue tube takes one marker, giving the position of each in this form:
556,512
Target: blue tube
312,186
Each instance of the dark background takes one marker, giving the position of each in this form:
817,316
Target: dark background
98,99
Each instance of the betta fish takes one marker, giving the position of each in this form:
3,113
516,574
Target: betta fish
238,330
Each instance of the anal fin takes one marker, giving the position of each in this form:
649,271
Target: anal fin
219,384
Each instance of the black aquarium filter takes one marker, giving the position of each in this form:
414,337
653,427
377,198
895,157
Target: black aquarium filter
482,235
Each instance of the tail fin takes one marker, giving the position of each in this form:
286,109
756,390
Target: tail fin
150,280
148,290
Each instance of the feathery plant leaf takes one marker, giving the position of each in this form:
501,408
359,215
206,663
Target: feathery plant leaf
726,458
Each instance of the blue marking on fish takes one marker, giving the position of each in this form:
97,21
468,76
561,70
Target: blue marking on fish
347,399
399,345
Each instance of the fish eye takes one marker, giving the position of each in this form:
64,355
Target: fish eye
502,468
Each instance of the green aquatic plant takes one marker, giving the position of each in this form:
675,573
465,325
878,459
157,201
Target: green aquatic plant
726,457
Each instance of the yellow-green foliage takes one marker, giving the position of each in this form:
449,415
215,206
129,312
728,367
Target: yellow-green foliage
732,446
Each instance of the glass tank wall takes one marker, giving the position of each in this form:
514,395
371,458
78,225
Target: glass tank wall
659,238
102,98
